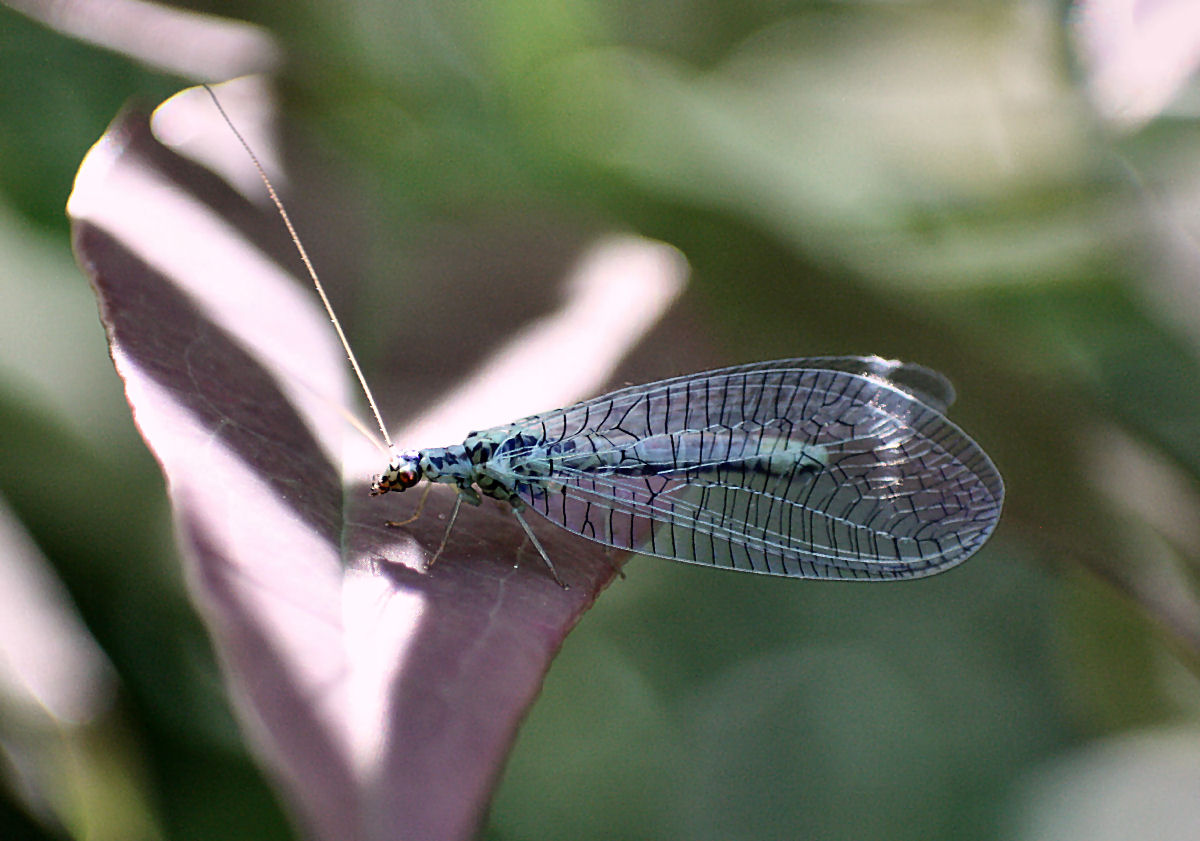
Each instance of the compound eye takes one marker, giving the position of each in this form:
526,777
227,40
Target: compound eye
407,476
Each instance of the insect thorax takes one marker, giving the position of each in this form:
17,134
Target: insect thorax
469,466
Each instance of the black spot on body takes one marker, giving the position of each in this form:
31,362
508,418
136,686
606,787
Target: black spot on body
480,452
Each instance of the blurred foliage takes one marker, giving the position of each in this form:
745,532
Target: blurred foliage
925,181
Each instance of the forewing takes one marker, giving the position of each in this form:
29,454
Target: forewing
816,468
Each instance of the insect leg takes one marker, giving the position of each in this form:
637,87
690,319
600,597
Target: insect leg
537,545
449,527
416,514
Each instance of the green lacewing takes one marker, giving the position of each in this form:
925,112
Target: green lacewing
841,467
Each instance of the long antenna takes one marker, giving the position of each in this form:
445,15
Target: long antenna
312,272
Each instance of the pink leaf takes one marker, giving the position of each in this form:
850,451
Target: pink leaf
381,694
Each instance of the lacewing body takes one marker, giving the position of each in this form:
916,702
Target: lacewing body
836,467
830,467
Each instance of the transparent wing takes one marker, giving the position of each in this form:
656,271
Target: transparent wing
816,468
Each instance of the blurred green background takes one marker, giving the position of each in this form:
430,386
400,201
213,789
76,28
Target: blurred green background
957,184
